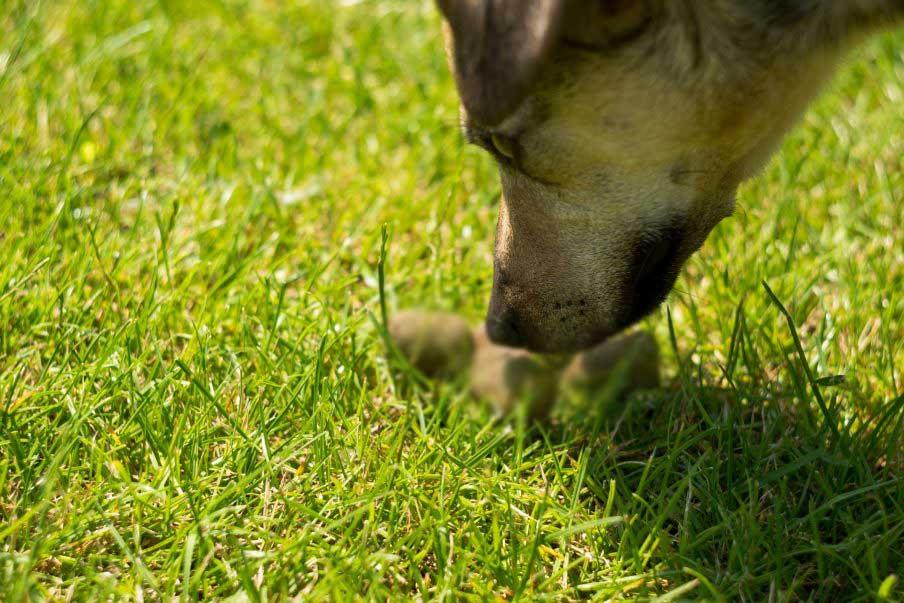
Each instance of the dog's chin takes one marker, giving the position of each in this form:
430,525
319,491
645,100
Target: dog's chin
564,341
558,343
557,347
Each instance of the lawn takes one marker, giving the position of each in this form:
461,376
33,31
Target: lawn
196,399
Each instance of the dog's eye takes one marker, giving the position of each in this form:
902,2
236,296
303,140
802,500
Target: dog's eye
503,146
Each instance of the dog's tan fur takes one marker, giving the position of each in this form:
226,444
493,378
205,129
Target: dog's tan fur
623,129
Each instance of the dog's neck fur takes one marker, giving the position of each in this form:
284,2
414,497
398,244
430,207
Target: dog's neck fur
724,45
758,30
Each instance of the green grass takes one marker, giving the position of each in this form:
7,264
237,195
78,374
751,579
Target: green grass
195,399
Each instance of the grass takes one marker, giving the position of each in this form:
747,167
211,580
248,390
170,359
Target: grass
195,400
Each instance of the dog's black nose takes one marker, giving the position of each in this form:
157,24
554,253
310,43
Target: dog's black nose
503,329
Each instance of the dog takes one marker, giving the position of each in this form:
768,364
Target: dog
622,129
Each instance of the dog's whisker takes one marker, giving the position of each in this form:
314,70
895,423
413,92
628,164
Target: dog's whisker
450,124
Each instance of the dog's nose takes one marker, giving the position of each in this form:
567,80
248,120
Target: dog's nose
503,328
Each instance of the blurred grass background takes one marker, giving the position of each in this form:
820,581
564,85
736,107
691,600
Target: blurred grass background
195,400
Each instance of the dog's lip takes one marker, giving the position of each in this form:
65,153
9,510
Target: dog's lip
656,266
554,345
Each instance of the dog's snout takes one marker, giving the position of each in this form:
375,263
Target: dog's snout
503,327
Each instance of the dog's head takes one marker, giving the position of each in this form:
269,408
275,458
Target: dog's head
622,129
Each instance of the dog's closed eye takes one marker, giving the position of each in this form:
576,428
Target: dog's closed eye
503,145
506,150
499,145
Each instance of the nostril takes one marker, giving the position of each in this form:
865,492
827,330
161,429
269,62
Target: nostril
503,329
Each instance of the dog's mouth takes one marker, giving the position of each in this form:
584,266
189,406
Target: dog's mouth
658,262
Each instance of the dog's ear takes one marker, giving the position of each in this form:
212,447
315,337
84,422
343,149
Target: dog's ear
498,46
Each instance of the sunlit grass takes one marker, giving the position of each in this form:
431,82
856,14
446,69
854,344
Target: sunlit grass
195,399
